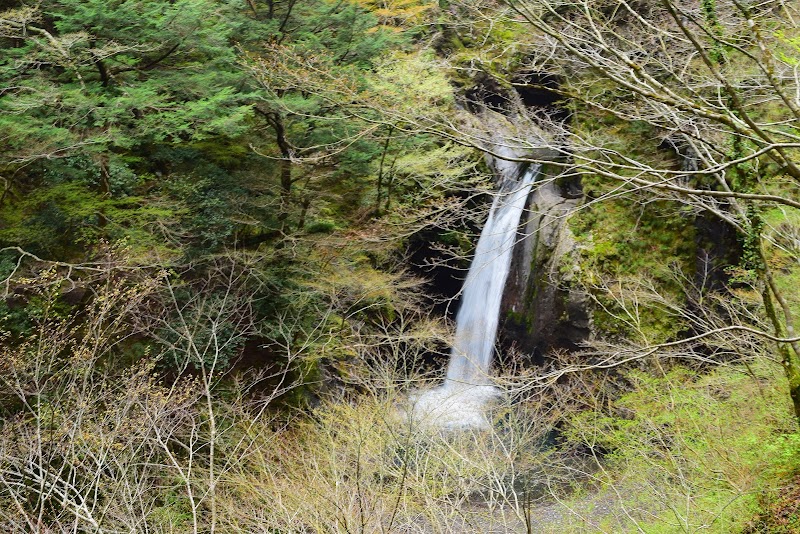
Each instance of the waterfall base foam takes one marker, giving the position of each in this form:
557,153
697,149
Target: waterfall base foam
454,406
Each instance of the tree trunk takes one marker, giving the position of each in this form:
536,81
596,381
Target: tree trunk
789,351
380,172
275,121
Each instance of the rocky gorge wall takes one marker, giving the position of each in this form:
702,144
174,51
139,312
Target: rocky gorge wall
543,305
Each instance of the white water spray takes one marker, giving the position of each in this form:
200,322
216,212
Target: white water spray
460,401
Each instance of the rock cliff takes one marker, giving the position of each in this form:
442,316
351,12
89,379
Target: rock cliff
543,306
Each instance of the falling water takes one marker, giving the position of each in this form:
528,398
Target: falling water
460,401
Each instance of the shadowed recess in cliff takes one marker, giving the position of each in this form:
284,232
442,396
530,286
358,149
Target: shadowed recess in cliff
460,401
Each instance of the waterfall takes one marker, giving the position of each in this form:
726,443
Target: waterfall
460,401
478,316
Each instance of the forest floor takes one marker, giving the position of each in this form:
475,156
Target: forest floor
781,513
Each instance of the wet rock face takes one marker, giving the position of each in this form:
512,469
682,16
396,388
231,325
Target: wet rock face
533,90
539,90
488,93
543,307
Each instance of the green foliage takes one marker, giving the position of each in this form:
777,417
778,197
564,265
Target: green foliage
321,226
698,448
621,239
752,260
174,511
118,76
792,52
416,79
716,53
100,103
496,45
126,120
780,512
